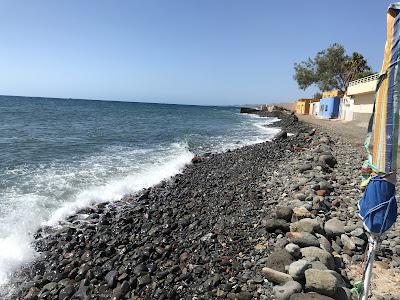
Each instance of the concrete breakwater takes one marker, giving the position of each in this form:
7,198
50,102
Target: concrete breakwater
272,220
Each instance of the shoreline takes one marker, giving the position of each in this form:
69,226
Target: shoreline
208,232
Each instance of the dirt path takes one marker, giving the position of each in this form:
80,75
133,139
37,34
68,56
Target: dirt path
355,131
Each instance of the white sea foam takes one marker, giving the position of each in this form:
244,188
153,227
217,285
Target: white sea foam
117,188
57,192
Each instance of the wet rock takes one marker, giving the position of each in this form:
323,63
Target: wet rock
125,287
66,292
82,292
143,280
196,159
111,278
48,288
32,294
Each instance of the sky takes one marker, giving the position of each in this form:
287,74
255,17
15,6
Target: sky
207,52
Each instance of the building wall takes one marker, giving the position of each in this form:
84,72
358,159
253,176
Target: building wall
361,117
364,103
314,108
346,108
302,107
362,87
329,107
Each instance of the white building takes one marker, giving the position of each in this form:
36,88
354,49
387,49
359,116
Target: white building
359,100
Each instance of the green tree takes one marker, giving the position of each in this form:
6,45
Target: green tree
331,69
317,95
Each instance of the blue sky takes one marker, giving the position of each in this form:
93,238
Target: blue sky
189,51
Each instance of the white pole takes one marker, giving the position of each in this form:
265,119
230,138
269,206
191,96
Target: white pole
372,242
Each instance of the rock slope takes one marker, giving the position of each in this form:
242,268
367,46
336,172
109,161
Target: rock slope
276,220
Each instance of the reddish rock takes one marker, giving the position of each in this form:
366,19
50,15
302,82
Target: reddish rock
321,192
336,203
225,260
196,159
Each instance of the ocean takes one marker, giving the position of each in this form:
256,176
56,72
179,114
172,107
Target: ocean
60,155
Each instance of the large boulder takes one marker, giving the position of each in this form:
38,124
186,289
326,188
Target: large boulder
284,212
301,212
283,292
303,239
276,276
297,269
347,242
321,282
293,249
32,294
275,224
278,259
328,159
315,253
306,225
334,227
309,296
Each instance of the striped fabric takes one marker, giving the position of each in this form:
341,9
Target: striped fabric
384,123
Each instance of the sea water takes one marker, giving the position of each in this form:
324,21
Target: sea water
60,155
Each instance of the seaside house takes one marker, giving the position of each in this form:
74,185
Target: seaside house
314,108
303,106
359,100
329,107
332,93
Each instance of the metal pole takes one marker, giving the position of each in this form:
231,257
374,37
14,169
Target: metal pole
372,242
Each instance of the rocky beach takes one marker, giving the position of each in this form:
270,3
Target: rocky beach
274,220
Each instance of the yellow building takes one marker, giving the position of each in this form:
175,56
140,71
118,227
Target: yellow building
333,93
303,106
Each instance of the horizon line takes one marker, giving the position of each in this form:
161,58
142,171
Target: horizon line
133,101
